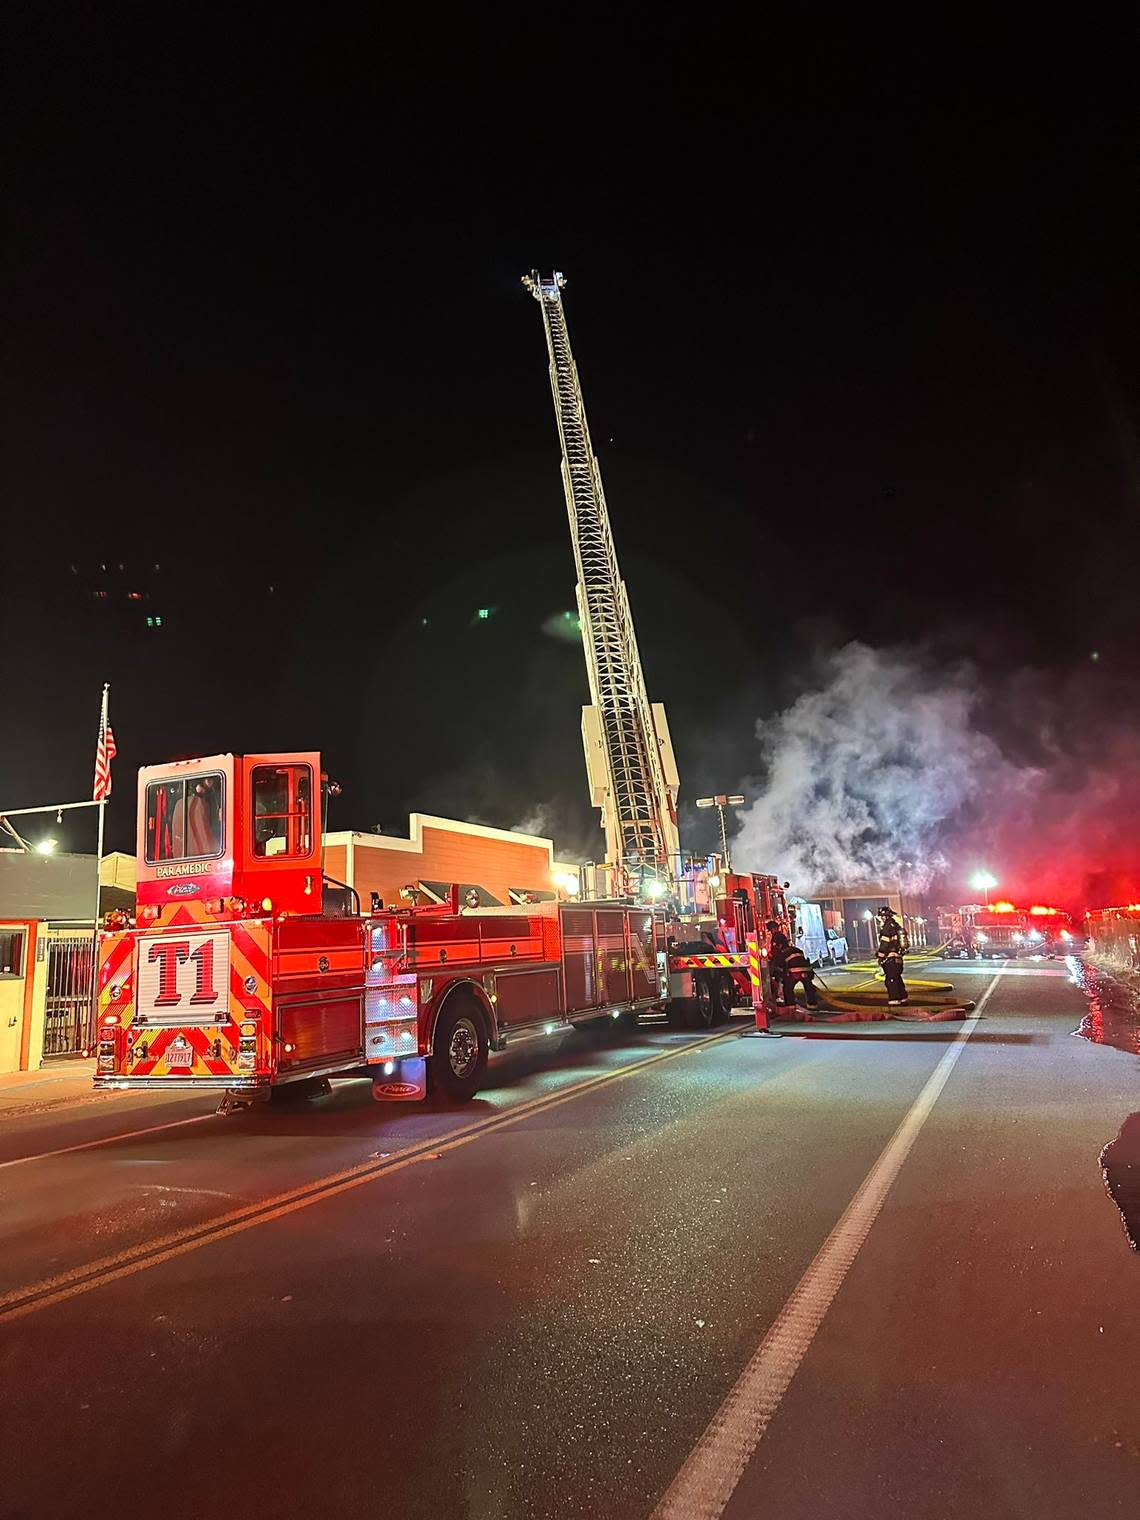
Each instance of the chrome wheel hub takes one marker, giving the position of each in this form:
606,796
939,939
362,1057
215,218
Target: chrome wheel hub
463,1048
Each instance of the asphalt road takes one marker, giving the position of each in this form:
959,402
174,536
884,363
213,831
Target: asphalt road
540,1305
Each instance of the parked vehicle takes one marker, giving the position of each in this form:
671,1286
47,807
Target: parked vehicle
837,952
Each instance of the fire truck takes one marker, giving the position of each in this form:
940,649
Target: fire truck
1003,929
248,969
716,956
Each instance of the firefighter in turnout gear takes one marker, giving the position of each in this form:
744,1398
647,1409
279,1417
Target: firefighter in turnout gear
789,966
893,946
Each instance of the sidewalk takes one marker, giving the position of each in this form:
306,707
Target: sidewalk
49,1087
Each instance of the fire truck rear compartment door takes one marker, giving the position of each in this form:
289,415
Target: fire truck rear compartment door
315,1031
613,954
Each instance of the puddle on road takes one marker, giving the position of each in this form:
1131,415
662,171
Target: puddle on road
1113,1016
1120,1167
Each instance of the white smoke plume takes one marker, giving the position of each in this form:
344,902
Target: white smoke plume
864,775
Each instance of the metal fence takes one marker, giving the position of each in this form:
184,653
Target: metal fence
68,1022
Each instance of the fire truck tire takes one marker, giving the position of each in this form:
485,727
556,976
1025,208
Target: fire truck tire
459,1049
702,1009
723,996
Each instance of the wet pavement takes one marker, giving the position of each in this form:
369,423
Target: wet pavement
1113,1014
536,1305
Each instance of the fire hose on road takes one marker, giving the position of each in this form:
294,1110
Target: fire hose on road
929,1002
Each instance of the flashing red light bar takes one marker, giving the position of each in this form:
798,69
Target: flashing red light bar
1043,912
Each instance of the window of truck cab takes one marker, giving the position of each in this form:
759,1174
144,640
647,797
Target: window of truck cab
282,811
185,818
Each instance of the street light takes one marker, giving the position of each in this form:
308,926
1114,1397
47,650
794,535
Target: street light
867,917
982,881
720,802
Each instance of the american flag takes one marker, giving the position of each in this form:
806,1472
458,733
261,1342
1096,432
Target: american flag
104,754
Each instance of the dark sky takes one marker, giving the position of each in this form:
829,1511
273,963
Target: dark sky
856,318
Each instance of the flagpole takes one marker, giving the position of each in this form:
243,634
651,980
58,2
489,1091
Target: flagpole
102,804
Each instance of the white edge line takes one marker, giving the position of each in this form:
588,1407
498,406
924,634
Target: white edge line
708,1478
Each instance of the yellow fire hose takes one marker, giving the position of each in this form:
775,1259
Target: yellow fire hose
864,1001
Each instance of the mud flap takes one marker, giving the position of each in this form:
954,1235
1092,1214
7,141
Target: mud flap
407,1084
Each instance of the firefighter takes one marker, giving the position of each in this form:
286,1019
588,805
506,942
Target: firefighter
893,946
789,966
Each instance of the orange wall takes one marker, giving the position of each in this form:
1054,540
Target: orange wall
492,863
496,864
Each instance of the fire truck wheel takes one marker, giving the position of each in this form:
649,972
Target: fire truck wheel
723,996
702,1010
459,1050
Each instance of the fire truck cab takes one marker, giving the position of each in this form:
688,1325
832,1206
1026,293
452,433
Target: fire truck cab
248,969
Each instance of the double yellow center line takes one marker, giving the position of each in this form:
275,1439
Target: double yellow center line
109,1269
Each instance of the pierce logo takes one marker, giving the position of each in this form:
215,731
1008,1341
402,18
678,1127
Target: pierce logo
398,1089
182,889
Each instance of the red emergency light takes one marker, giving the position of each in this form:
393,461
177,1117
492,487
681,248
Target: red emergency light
1002,907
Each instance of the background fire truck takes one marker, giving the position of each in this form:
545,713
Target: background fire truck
1002,929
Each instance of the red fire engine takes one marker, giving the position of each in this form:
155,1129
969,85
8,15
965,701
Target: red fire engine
1003,929
249,969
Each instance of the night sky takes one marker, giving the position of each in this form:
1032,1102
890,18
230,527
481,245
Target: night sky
856,320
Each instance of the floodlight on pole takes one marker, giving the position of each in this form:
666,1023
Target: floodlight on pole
720,802
982,881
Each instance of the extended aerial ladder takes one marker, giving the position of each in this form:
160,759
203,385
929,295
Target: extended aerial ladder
629,758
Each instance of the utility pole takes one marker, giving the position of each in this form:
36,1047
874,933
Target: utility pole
720,802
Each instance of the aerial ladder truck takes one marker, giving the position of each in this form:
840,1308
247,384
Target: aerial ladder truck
720,941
